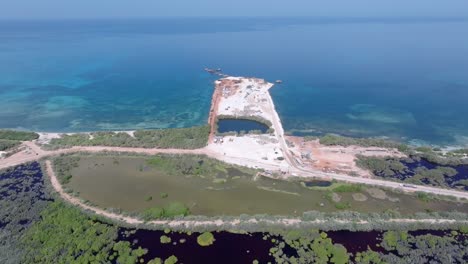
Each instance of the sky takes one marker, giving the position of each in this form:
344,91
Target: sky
60,9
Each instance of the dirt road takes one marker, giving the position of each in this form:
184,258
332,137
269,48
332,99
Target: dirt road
35,153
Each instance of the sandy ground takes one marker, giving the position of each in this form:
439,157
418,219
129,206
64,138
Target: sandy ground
244,97
313,155
259,149
45,138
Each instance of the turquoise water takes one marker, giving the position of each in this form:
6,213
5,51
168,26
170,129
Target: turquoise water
401,78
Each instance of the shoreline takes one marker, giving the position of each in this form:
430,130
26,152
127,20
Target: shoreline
240,96
411,142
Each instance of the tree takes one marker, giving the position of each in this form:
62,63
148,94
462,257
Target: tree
205,239
171,260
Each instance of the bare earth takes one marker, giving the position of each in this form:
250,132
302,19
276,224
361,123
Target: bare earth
313,155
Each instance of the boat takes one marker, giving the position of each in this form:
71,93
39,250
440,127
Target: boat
213,71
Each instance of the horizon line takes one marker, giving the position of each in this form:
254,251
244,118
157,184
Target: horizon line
407,17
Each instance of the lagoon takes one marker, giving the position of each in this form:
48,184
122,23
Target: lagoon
238,125
135,184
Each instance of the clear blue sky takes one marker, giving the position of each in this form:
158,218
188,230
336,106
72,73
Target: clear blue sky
47,9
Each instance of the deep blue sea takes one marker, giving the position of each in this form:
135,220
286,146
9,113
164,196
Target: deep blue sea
403,78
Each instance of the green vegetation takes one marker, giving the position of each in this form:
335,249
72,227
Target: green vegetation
343,188
391,238
34,229
63,166
449,159
387,167
65,235
425,197
182,138
313,246
6,144
173,209
171,260
193,165
205,239
152,214
423,149
22,198
342,205
310,247
176,209
432,176
165,239
10,139
427,248
464,229
155,261
124,253
368,257
186,138
18,135
335,140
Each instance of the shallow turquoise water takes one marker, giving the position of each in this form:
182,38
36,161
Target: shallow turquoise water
401,78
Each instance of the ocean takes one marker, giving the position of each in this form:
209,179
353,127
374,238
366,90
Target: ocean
401,78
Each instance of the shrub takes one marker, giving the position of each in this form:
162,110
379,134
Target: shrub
205,239
152,213
425,197
385,167
171,260
6,144
165,239
348,188
464,229
176,209
184,138
335,140
155,261
18,135
342,205
424,149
